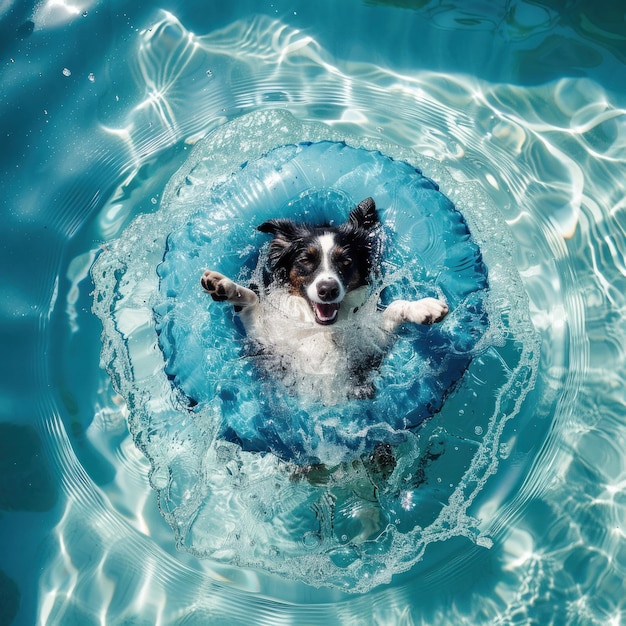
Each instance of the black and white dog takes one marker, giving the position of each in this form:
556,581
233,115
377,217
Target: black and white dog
317,323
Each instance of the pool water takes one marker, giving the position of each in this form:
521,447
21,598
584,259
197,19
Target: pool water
518,108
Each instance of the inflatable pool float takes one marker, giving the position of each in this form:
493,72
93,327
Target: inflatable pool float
428,251
234,456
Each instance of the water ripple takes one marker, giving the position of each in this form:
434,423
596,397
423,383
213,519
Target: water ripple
555,172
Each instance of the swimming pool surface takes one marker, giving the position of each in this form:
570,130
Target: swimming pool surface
518,111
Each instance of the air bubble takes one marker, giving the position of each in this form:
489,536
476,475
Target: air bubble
504,450
311,540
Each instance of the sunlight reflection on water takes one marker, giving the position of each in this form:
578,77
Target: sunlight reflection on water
551,157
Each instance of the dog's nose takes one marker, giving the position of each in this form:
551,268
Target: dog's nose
328,290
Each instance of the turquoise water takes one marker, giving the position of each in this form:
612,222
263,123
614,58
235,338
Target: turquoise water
517,105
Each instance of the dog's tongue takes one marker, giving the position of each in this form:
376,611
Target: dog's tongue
326,313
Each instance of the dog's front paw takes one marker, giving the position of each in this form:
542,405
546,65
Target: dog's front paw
224,289
424,311
217,285
427,311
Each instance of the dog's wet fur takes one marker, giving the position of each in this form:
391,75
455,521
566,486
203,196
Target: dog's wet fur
322,264
307,320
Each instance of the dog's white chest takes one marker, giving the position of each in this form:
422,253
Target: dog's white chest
311,360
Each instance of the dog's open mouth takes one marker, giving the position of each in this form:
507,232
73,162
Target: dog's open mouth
325,313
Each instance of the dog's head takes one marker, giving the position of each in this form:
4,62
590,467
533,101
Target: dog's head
323,263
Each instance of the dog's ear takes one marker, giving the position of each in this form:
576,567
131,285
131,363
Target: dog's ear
285,232
364,215
282,228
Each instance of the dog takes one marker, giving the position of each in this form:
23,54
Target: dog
316,325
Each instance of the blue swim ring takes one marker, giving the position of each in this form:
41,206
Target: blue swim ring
429,251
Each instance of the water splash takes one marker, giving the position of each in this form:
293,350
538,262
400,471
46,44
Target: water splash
505,139
244,508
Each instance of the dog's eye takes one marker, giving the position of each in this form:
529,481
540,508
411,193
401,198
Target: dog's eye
308,260
341,257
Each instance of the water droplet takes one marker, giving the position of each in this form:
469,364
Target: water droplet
85,13
478,430
91,77
311,539
66,72
209,73
153,200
